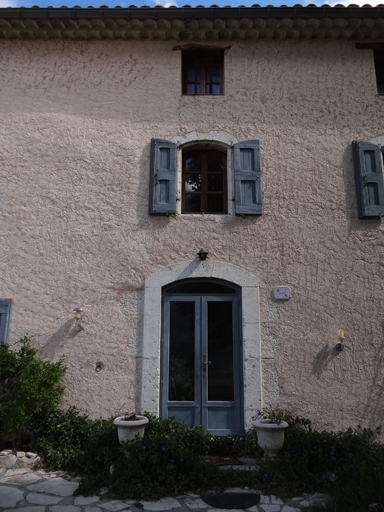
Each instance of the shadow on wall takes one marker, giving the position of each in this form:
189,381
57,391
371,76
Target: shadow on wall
67,330
322,359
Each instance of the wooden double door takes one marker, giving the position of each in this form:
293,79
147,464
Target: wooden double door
201,380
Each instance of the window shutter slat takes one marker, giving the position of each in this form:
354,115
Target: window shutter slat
247,170
5,310
369,178
162,181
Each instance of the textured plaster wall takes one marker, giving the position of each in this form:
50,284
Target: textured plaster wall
76,120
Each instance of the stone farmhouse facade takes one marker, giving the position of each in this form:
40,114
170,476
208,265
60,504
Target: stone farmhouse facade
132,138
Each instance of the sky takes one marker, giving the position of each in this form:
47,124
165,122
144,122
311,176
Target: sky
178,3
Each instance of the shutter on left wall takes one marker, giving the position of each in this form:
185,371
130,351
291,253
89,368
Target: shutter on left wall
162,180
5,311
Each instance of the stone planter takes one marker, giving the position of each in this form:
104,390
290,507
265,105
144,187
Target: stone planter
127,430
270,436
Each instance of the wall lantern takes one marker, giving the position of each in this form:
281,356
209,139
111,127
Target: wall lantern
202,255
78,325
340,346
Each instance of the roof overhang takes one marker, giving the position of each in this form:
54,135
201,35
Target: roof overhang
198,24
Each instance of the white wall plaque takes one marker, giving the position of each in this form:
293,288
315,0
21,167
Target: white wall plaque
282,292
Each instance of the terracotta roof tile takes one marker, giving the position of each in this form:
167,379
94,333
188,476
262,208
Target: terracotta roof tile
214,23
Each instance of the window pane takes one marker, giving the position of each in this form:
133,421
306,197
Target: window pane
193,182
199,287
191,89
215,89
213,74
215,203
215,182
192,163
182,351
215,162
193,74
192,203
220,351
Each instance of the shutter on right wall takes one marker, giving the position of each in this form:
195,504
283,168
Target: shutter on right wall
5,310
368,160
246,163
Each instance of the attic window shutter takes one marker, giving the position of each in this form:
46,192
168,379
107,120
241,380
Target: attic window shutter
162,181
369,178
5,310
247,169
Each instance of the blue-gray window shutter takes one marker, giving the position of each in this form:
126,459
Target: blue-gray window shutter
246,162
5,312
162,181
368,160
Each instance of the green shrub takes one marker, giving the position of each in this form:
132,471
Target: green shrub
71,441
349,465
165,462
27,385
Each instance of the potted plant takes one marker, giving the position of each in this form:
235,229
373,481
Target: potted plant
129,426
270,426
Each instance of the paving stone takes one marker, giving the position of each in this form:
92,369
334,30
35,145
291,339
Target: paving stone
27,509
42,499
264,500
113,505
224,510
31,455
23,479
17,471
298,498
270,508
80,500
9,496
159,506
9,461
64,508
276,501
318,497
194,503
93,509
305,503
287,508
57,486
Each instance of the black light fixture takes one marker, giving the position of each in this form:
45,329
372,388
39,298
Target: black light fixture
202,255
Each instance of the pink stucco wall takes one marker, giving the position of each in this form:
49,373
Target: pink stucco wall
76,120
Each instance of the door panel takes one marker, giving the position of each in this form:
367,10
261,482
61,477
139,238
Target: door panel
201,372
220,351
181,367
221,382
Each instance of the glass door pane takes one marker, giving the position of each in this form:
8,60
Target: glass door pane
181,383
220,351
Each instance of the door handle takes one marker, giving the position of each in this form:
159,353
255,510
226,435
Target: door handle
205,361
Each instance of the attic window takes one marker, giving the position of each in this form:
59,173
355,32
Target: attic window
379,68
203,72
